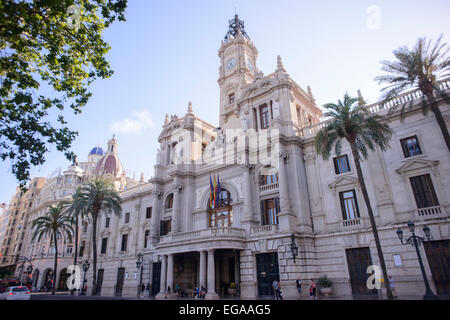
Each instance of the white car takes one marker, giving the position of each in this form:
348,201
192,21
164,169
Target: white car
16,293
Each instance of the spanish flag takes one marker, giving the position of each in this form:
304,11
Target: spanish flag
211,192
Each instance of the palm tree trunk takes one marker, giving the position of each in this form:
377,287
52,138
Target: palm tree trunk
372,219
76,250
55,270
94,253
440,119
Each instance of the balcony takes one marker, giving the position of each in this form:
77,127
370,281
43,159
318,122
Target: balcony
430,213
269,187
267,229
351,224
226,233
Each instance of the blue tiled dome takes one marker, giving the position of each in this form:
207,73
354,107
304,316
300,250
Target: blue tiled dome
97,151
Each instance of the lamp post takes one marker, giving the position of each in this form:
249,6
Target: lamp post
139,266
294,248
86,265
416,241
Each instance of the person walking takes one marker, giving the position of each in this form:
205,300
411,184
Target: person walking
299,286
276,289
313,290
147,290
392,285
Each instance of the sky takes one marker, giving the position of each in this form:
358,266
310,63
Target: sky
165,55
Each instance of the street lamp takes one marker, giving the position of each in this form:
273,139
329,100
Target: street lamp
86,265
139,266
294,248
416,241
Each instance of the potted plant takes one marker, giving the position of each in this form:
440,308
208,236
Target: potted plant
325,285
232,289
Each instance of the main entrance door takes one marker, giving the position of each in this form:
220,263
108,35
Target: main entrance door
267,271
98,288
438,254
119,283
358,260
156,278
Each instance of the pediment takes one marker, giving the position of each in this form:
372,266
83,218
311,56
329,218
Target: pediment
125,229
341,181
105,233
416,164
259,86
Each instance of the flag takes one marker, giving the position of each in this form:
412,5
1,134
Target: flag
219,189
216,198
211,192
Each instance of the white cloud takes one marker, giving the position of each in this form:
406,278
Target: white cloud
140,121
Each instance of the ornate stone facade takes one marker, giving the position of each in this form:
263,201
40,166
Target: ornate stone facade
246,242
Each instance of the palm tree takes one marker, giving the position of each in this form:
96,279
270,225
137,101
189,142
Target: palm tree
422,67
351,121
96,196
56,224
77,212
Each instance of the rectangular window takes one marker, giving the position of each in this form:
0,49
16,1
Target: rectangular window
165,227
69,250
341,164
231,98
147,233
349,205
410,147
107,221
124,242
148,214
127,217
264,117
424,191
270,209
82,248
104,245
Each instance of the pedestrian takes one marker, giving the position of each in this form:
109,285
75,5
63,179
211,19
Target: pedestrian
299,286
142,290
276,289
313,290
85,289
392,285
147,290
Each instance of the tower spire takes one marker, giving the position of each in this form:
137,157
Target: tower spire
190,110
236,27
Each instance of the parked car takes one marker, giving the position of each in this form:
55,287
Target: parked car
16,293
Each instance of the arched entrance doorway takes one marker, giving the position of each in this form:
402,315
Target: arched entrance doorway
220,211
63,276
47,280
35,279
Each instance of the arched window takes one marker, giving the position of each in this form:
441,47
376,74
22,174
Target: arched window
269,175
221,213
169,201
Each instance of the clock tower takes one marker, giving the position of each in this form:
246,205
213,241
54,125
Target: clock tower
237,68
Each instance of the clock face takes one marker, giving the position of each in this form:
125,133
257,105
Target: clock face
250,65
231,64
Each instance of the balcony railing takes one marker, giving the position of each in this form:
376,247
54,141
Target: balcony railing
429,212
380,106
264,229
211,233
351,223
268,187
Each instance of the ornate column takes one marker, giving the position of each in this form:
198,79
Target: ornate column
248,218
176,206
163,288
170,272
202,276
156,216
286,217
211,277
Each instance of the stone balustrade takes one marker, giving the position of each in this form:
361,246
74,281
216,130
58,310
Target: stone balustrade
380,106
269,187
211,233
